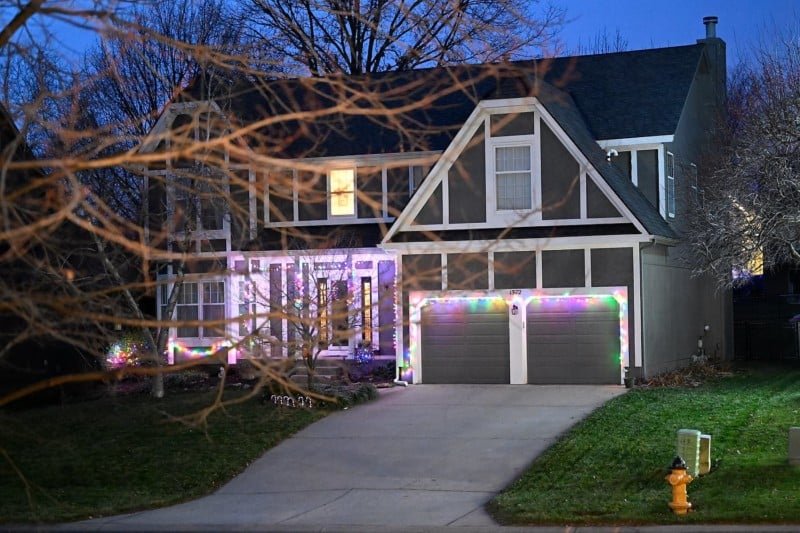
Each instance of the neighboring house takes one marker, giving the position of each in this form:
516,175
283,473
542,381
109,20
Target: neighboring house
504,223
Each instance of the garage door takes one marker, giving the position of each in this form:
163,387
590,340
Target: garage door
573,340
465,341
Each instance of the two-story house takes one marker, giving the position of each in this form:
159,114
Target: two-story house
497,223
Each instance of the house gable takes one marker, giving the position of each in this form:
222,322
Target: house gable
465,189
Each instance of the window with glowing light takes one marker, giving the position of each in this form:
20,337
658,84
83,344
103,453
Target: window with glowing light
247,309
322,309
366,309
343,192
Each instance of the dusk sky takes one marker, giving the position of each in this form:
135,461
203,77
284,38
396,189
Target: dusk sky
645,23
649,24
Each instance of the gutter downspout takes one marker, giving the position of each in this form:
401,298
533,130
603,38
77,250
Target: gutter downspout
653,241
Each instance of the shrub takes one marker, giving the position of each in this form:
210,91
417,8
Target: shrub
346,395
128,350
374,371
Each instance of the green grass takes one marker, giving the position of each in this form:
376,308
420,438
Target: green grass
610,469
121,453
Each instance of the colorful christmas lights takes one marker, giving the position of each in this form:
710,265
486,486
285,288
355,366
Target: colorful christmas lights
127,351
575,301
198,352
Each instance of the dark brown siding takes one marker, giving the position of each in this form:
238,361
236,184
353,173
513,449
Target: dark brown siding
467,183
597,205
563,268
561,192
397,184
369,191
503,125
156,204
514,270
312,196
467,271
240,208
431,212
281,205
422,272
613,267
647,174
623,162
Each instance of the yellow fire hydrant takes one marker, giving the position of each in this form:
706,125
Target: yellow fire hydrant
679,479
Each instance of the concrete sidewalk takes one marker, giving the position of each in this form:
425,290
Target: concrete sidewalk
425,457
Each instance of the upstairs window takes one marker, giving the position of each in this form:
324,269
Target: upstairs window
197,305
513,177
670,184
198,205
343,192
212,213
214,307
322,310
187,309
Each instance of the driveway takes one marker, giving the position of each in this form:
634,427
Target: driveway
418,457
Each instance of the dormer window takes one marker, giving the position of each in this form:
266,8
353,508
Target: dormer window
513,177
342,192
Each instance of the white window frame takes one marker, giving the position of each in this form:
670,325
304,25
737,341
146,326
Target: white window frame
669,184
200,304
511,216
197,198
662,162
352,191
494,173
184,286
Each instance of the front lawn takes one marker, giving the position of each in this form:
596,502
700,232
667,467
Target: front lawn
122,453
610,469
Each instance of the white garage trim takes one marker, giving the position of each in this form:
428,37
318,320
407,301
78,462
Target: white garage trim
517,301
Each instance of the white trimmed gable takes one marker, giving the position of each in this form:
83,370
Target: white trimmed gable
488,199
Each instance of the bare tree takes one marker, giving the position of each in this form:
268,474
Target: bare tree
603,43
355,37
106,251
746,213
